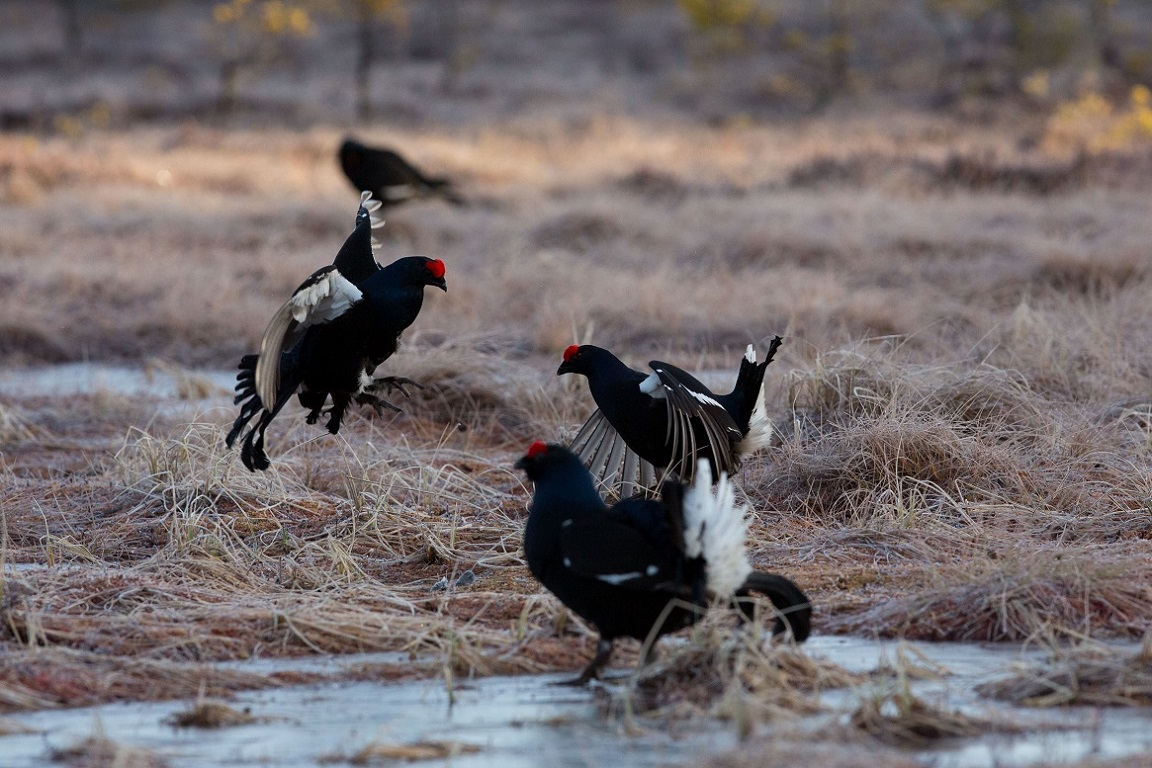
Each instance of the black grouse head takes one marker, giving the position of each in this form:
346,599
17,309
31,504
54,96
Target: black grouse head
578,359
543,457
421,271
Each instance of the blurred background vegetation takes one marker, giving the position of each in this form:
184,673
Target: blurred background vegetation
1086,62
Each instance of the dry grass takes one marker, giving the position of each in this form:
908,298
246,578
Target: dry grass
377,753
1085,674
101,752
963,397
212,714
734,674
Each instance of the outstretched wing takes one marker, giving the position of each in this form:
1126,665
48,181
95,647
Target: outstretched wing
694,414
614,466
321,298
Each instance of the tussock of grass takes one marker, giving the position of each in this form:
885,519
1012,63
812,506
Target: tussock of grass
892,714
486,383
875,438
1085,674
379,753
906,720
734,673
63,677
101,752
1005,595
14,426
211,714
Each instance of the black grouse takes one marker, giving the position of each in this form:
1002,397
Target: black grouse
390,178
326,341
662,422
620,567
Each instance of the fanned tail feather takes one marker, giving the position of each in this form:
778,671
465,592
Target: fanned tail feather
252,449
246,394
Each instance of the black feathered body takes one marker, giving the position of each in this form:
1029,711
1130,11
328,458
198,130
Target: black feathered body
641,420
627,569
335,357
570,535
340,324
388,176
668,418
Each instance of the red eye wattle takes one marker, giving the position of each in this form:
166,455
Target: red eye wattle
436,267
570,352
536,449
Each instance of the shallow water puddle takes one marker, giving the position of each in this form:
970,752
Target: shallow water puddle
511,722
527,721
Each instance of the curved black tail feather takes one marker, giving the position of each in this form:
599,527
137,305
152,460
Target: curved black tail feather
794,611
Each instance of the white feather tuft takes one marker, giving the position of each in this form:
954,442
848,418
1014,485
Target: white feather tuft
750,354
760,430
368,203
716,528
366,381
653,386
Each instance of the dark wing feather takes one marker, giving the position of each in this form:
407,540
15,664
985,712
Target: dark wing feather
614,466
690,403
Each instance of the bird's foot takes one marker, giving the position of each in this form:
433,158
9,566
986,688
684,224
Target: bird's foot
582,679
378,404
392,384
592,671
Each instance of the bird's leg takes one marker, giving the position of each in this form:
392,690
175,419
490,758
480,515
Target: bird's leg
592,671
314,402
336,412
393,383
378,404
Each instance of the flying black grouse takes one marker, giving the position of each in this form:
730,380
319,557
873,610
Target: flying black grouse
327,339
619,567
662,422
390,178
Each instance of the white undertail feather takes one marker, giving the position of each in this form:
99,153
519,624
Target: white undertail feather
759,426
716,527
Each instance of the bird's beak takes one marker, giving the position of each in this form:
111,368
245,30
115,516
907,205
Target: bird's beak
522,463
564,368
441,284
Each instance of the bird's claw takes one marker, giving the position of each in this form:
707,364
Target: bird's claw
378,404
393,383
